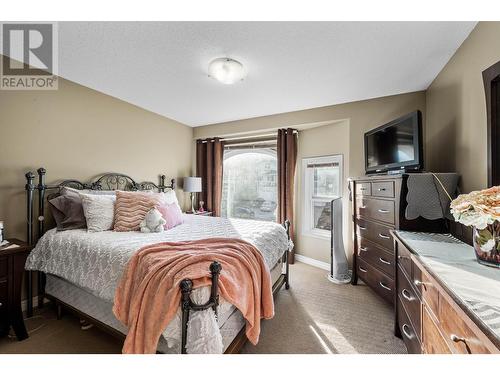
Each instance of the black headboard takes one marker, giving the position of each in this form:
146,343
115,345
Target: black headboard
106,181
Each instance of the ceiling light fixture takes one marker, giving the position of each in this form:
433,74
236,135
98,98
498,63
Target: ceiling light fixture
226,70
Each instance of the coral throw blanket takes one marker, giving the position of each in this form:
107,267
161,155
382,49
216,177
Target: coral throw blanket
149,295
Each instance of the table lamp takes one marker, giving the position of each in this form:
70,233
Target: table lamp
192,185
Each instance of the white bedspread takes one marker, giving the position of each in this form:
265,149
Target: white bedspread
96,262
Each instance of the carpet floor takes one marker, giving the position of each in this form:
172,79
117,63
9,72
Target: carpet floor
313,316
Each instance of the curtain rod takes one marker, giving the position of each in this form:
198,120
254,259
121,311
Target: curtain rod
247,137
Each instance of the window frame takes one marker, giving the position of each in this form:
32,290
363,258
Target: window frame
308,228
269,150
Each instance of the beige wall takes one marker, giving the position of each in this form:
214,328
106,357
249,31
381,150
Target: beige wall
321,141
319,137
456,109
76,132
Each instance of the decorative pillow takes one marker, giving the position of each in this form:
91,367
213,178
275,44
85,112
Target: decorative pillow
99,211
153,222
170,197
66,190
172,214
132,207
67,211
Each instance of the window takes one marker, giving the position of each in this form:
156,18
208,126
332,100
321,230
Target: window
249,183
322,178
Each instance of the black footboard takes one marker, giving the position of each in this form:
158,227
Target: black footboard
186,286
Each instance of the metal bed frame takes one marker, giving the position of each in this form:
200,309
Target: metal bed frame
119,181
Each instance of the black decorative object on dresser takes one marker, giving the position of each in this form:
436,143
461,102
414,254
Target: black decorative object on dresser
12,260
378,206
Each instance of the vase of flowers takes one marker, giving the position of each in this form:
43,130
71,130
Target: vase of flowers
481,211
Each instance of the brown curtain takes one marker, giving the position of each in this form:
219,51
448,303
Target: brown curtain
287,159
209,163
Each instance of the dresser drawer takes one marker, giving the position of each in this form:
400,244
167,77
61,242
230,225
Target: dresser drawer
433,341
404,258
376,209
376,256
459,334
383,189
377,233
430,294
3,267
410,301
408,332
363,188
379,281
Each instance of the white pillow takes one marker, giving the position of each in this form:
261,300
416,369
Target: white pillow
169,197
99,211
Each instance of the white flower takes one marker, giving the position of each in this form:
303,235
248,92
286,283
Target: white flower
488,246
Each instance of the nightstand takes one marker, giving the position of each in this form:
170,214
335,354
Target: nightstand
12,263
204,213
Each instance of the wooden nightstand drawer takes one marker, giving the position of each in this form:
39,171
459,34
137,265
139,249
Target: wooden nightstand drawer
3,267
3,294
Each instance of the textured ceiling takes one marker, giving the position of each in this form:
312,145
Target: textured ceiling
162,66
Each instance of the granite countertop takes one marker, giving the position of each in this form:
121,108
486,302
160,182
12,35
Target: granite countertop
453,262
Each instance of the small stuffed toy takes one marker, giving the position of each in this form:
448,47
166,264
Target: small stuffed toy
153,222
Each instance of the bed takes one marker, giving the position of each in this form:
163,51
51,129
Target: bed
80,270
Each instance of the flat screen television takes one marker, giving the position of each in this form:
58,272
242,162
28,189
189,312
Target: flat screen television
396,145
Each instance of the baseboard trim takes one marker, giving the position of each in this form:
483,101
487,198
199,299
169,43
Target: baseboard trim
312,262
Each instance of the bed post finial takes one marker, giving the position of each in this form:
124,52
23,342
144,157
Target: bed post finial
162,183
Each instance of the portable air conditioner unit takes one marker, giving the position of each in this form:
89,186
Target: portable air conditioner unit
339,268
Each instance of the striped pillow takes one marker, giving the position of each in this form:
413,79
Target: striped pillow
131,207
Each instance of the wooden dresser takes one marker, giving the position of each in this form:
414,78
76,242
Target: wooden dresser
446,301
378,206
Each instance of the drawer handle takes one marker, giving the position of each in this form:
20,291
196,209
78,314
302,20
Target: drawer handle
363,249
362,269
407,295
405,329
383,211
384,286
458,339
363,188
384,236
384,261
382,189
420,283
362,228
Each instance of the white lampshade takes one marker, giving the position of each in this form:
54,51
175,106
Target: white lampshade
226,70
192,184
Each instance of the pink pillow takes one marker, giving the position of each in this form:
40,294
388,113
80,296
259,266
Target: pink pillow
171,213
